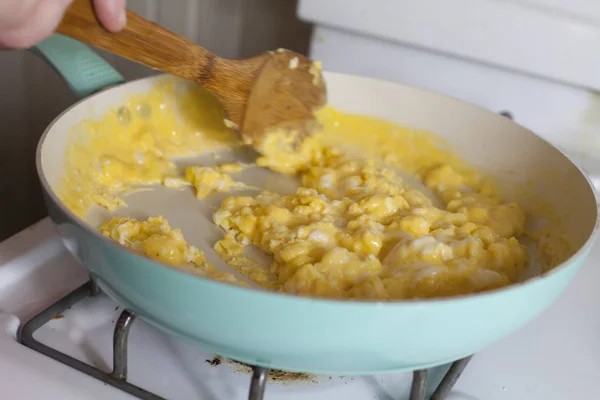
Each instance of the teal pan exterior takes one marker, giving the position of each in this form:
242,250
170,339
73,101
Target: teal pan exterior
288,332
304,334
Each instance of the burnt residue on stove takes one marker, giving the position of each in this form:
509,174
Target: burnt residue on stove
286,376
274,374
215,361
278,375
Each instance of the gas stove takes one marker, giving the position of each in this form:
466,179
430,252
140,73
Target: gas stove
48,302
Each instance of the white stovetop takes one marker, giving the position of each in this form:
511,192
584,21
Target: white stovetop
555,357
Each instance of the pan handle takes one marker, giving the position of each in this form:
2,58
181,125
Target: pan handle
84,71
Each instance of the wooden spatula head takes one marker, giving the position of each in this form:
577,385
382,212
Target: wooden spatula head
285,93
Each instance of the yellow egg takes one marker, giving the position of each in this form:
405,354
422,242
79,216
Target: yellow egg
355,228
156,239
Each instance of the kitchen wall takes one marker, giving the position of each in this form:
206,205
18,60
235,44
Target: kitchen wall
31,94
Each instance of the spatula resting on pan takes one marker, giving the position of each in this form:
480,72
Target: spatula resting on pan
272,89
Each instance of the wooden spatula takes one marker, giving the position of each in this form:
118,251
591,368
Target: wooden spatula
268,90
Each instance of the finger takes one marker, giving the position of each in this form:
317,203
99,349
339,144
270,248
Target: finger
14,13
41,24
111,14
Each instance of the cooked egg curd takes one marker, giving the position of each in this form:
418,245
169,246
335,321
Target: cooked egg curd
213,179
156,239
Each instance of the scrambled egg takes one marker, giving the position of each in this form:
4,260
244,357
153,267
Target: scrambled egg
156,239
213,179
355,228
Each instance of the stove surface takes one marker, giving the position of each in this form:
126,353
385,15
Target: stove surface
555,357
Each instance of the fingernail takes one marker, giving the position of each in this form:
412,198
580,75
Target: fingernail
122,19
111,6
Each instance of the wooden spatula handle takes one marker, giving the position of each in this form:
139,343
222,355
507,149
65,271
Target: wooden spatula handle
141,40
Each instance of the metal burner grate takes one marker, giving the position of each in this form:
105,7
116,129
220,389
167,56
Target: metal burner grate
118,376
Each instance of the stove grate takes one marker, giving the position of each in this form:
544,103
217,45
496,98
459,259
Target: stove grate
118,376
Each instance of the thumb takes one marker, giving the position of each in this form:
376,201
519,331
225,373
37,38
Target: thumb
111,14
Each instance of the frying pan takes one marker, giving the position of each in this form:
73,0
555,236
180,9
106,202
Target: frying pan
306,334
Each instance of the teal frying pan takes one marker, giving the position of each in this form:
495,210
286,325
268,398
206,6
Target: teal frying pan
307,334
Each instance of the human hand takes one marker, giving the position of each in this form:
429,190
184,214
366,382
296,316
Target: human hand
23,23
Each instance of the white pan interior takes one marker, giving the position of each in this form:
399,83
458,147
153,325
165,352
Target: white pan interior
509,152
